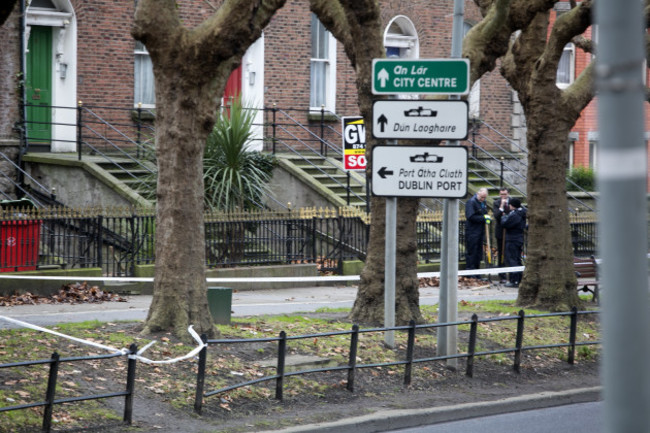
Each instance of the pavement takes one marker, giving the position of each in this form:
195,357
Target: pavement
244,303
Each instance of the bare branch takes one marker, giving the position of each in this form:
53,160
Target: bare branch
576,97
586,45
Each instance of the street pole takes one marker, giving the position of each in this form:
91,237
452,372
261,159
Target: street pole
622,181
448,306
389,267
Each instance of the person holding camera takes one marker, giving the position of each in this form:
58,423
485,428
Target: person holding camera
514,224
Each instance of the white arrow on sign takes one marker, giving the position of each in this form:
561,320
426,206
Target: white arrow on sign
419,171
418,119
383,77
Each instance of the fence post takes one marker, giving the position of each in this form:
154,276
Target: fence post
79,126
130,384
274,125
200,376
519,339
49,394
352,362
501,176
322,132
99,240
139,130
471,346
348,187
573,330
282,350
410,347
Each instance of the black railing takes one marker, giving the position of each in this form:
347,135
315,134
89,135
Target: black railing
350,367
117,240
50,394
409,360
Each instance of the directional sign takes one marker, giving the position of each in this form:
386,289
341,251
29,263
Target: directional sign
402,76
417,119
419,171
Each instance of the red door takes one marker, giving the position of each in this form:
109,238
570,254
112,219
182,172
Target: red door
233,87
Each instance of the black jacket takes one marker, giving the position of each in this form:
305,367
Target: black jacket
515,224
474,216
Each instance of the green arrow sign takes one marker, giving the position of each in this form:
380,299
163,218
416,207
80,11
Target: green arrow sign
401,76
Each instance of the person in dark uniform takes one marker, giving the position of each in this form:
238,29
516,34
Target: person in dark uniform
502,202
475,219
514,223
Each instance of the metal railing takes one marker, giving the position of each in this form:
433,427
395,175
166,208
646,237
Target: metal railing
117,240
50,394
409,360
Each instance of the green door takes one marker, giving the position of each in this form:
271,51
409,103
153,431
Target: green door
39,86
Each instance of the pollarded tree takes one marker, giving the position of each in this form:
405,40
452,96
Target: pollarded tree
520,34
358,26
191,67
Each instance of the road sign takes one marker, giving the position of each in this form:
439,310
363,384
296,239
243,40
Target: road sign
419,171
417,119
402,76
354,143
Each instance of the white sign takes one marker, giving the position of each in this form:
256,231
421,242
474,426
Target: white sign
419,171
416,119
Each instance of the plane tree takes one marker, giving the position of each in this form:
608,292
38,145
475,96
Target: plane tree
191,67
358,26
519,36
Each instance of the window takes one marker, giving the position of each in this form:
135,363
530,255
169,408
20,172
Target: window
593,155
566,67
323,67
144,82
474,97
401,40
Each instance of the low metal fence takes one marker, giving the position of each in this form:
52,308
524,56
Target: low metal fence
50,394
118,240
352,366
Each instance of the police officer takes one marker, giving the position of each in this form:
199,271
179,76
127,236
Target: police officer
476,218
515,223
499,203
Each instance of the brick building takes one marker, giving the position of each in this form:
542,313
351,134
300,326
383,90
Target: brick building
83,51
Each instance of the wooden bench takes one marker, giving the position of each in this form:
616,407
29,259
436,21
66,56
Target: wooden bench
587,272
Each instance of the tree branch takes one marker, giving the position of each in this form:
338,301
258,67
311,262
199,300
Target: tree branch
576,97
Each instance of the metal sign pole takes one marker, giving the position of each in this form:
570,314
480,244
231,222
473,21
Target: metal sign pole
389,267
448,345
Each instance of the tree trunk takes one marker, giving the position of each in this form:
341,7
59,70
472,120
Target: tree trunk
180,293
369,304
549,281
191,68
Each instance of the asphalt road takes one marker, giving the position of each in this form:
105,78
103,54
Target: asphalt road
575,418
244,303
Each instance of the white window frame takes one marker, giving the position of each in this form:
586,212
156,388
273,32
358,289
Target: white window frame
329,60
406,39
474,97
569,52
140,51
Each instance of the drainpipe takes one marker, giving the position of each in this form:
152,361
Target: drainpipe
23,109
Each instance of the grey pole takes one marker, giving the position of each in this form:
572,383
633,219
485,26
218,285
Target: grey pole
389,266
389,271
448,306
622,174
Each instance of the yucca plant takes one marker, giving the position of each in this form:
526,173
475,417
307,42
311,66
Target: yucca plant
235,178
